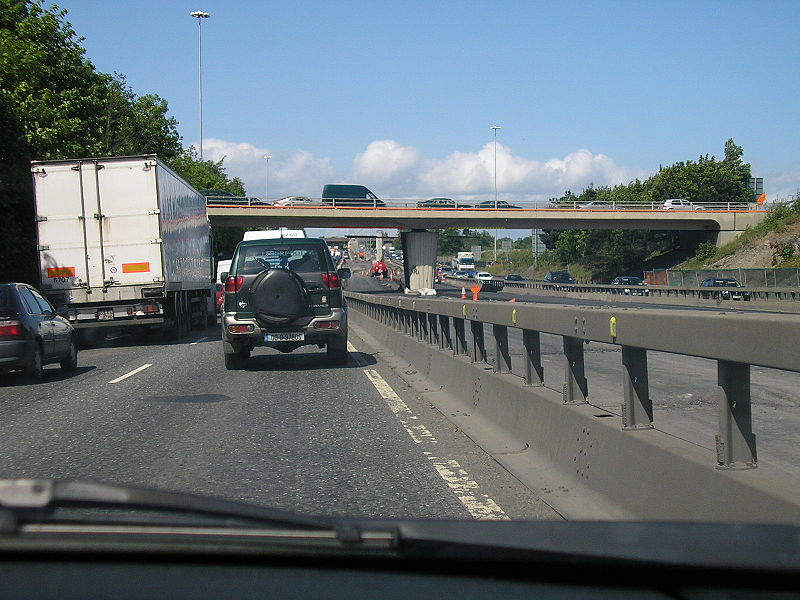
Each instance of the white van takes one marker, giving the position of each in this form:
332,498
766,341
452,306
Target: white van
271,234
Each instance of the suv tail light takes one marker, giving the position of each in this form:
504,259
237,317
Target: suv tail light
234,283
11,329
331,281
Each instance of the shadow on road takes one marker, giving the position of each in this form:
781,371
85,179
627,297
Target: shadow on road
306,361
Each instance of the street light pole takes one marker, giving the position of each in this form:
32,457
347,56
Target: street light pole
495,128
266,190
200,15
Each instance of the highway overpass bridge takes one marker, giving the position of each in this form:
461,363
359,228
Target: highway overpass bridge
421,241
727,224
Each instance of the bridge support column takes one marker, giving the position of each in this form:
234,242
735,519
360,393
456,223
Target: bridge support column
725,237
502,356
534,372
419,258
637,408
736,442
575,388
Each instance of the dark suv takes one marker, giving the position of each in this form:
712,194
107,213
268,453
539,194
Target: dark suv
283,293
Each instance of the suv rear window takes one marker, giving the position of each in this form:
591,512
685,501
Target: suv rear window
303,258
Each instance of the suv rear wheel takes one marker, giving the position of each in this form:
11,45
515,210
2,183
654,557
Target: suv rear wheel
237,361
337,350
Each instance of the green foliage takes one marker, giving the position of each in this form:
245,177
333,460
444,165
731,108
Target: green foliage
609,253
53,105
705,251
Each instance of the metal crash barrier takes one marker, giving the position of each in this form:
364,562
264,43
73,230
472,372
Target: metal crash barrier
735,340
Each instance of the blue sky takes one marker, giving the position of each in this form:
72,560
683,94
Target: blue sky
400,96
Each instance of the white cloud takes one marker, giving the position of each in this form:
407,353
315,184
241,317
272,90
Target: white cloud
392,170
297,173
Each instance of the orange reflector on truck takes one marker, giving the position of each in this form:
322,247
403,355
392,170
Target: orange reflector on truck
61,272
143,267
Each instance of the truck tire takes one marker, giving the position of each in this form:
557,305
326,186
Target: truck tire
277,297
91,337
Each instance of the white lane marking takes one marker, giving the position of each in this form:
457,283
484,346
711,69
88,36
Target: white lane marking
134,372
478,504
202,339
356,356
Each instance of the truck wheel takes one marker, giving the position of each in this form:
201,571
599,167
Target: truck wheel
337,350
70,362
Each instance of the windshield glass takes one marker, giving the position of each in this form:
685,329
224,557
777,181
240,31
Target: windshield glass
396,358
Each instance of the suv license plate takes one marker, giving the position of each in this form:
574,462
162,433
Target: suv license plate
105,315
289,336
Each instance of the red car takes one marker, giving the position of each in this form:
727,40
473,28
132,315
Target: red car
220,297
379,269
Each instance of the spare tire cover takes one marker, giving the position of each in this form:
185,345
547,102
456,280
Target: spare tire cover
277,296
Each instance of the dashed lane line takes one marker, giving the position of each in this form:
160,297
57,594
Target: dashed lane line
356,355
134,372
466,489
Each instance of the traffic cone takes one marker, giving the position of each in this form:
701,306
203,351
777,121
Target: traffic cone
463,293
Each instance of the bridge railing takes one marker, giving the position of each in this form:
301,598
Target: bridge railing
736,341
474,205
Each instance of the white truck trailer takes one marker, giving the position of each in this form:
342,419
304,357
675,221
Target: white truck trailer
123,242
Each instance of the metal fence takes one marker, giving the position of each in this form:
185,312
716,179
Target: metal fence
749,278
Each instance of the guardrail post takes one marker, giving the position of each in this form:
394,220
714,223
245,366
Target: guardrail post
637,408
534,372
424,330
460,346
575,388
736,442
433,329
478,344
445,339
502,357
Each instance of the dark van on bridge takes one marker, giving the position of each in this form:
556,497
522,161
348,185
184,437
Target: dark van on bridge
339,194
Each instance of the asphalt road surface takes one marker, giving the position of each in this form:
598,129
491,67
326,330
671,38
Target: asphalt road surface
290,432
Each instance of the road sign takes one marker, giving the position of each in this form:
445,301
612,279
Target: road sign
506,245
476,252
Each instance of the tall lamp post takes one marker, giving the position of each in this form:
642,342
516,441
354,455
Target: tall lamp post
495,128
200,15
266,189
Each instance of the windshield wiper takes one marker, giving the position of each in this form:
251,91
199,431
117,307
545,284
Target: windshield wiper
23,501
263,263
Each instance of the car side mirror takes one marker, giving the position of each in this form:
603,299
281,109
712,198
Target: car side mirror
344,273
223,276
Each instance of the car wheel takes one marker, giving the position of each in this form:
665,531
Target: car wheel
70,362
236,361
35,370
337,350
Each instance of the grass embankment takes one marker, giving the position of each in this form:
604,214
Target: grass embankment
779,218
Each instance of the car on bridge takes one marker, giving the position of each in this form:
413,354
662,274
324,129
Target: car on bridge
342,194
728,291
680,204
295,201
441,203
499,204
634,286
283,293
32,334
595,205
